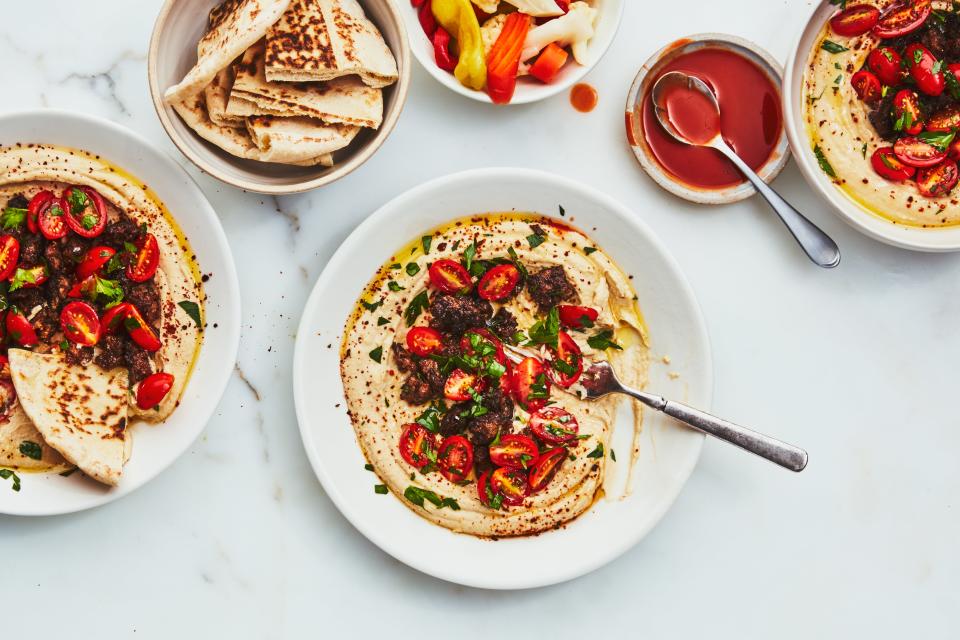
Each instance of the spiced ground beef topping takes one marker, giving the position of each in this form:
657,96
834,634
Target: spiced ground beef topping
504,324
456,314
550,287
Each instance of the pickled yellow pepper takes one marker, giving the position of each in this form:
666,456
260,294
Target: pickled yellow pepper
459,20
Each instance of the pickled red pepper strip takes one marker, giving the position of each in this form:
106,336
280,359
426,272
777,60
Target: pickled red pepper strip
427,22
504,58
441,50
457,18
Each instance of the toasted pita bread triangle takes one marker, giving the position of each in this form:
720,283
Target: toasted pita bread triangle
291,138
325,39
234,27
345,100
80,411
216,96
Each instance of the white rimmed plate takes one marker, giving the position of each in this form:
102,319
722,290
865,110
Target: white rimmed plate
528,89
668,451
155,447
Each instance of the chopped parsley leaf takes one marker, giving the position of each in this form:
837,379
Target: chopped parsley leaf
31,449
416,307
368,467
413,268
382,321
426,241
535,240
823,162
596,453
832,47
545,331
603,341
377,355
371,306
193,310
9,473
380,489
417,496
13,217
589,250
393,286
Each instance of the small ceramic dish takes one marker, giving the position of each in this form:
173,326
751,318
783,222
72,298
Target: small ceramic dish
855,214
172,53
643,83
528,89
668,451
155,447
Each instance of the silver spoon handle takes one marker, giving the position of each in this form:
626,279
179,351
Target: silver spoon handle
776,451
818,246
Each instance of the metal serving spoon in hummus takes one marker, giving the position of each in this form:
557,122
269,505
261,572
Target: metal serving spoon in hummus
600,380
690,112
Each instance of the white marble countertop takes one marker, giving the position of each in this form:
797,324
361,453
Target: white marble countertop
237,538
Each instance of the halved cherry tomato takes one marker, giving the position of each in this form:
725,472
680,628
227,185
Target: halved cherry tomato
938,181
885,62
458,385
113,318
511,483
153,390
20,329
548,65
556,425
84,288
567,362
902,18
423,341
455,458
9,254
945,120
32,277
908,116
50,219
466,344
80,323
140,331
417,445
486,494
925,69
544,468
530,385
954,151
38,203
886,163
450,277
855,20
499,282
573,316
917,153
86,211
513,451
867,86
145,263
94,259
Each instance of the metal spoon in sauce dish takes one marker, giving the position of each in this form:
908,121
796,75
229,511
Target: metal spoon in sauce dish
689,111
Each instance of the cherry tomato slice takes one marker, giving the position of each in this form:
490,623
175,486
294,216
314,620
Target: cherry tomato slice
50,219
113,318
530,385
545,467
40,202
513,451
512,484
577,317
938,181
945,120
902,18
455,458
917,153
20,330
423,341
486,338
855,20
925,70
417,445
498,283
450,277
886,163
94,260
80,323
145,263
458,385
566,364
907,113
556,425
954,151
86,211
9,254
153,390
140,331
486,494
885,62
867,86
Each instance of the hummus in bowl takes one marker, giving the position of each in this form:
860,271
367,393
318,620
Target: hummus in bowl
468,440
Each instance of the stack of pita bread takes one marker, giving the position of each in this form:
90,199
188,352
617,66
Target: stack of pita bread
286,81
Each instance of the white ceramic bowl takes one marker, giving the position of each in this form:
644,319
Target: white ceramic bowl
173,51
668,451
528,89
855,214
650,72
155,447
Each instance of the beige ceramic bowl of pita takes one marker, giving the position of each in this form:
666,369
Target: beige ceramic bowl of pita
173,47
